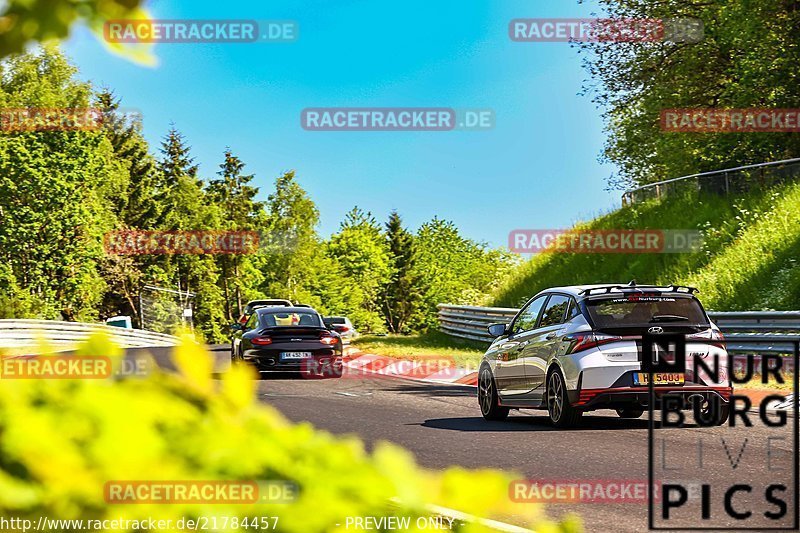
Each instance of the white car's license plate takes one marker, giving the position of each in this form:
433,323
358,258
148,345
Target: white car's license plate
288,356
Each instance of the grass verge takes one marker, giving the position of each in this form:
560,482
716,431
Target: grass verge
466,353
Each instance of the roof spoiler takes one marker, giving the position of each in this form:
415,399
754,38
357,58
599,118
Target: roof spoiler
632,286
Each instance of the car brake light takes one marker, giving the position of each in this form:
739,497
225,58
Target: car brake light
709,335
342,328
584,341
261,341
327,339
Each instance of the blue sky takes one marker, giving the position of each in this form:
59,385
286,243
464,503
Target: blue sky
537,168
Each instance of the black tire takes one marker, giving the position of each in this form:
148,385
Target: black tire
235,361
559,410
488,400
630,412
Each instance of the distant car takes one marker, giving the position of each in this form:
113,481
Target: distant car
255,304
343,326
288,339
575,349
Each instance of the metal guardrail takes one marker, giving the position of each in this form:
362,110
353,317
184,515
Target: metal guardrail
726,181
745,331
63,335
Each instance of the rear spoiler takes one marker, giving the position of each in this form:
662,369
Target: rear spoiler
640,288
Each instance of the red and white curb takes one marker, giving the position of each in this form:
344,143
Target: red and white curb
433,370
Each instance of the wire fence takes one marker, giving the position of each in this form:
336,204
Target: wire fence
165,310
730,181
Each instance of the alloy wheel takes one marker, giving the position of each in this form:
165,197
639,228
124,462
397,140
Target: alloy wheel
555,397
485,391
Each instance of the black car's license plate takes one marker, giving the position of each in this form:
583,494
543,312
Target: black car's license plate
292,356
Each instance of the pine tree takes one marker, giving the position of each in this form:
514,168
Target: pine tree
401,295
235,198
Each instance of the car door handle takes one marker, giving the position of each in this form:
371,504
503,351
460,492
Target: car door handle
521,345
551,336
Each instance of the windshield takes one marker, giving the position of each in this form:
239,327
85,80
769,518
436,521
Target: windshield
294,318
638,310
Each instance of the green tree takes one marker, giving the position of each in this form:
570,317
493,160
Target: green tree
454,269
363,255
55,189
136,207
235,198
291,242
185,207
746,58
402,294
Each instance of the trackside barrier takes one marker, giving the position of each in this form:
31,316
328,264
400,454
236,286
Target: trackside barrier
63,335
745,331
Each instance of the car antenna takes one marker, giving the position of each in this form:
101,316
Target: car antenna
632,283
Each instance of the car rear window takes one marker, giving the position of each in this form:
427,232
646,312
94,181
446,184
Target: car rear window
639,310
295,318
336,320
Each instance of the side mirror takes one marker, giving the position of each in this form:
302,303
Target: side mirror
496,330
236,327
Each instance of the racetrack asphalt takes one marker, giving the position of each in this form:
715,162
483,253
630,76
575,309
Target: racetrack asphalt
442,426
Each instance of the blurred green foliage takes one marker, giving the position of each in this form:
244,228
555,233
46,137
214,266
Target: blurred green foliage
26,21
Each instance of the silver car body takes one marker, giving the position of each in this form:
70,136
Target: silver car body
600,376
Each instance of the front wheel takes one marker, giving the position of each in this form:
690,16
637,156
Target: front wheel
560,411
488,398
234,359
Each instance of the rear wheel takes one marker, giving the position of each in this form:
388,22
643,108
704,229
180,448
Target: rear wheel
488,399
561,413
630,412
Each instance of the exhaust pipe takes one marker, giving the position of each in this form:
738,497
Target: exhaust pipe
695,398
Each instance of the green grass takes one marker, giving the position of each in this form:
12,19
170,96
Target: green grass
749,260
466,353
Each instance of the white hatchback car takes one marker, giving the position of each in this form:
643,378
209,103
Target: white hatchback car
342,326
575,349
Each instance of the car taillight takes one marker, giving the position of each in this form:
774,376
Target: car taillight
261,341
710,336
342,328
243,319
584,341
327,339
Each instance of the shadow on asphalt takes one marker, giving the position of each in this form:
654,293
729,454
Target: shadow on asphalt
429,389
532,423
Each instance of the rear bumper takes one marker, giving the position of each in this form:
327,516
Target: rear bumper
320,361
621,397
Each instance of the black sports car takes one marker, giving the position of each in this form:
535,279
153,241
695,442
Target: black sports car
288,339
